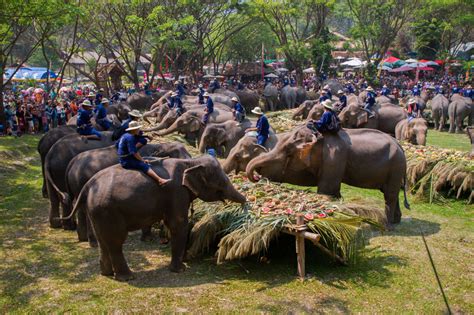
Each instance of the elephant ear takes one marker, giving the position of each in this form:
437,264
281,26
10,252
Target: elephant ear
304,152
194,179
194,124
362,118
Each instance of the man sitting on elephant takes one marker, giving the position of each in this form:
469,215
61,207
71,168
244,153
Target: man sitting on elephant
214,85
201,94
329,122
84,125
324,96
262,128
176,103
133,115
209,108
130,158
385,91
101,115
328,91
370,101
179,89
413,109
238,110
342,99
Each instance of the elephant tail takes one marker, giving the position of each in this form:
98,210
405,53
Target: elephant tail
79,202
405,201
63,195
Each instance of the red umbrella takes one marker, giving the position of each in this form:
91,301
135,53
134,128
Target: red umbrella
391,59
425,69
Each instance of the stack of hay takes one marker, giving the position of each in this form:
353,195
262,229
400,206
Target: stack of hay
432,171
274,207
282,121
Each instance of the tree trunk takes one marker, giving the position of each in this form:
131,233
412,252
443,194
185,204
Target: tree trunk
2,110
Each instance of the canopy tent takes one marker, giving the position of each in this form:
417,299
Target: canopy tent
309,70
391,59
402,69
384,68
282,70
208,76
393,62
429,62
271,76
354,63
411,60
29,73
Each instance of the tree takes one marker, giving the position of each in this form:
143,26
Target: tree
294,24
376,25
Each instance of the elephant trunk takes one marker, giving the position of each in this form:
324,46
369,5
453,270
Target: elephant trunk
202,144
233,195
298,113
228,165
160,126
421,138
253,165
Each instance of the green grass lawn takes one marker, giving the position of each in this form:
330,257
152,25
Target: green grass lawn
46,270
448,140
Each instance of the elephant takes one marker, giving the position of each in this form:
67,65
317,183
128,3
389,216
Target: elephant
382,99
55,165
84,165
112,117
304,109
190,123
247,149
459,109
140,101
413,131
312,95
121,110
288,97
225,134
300,95
248,98
45,144
334,85
439,111
316,112
140,203
363,158
223,99
418,99
271,96
225,92
470,134
385,117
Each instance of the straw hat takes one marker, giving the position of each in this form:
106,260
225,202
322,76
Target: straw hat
326,87
176,82
340,92
384,86
257,111
104,100
200,85
173,94
323,92
234,99
135,113
411,101
91,94
206,94
86,103
369,89
328,104
133,126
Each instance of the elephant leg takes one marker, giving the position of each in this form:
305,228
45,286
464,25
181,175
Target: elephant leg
179,236
392,206
106,268
90,233
452,122
81,225
459,121
54,207
436,120
68,224
330,188
44,190
147,235
119,264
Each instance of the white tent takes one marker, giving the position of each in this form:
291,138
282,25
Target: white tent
309,70
411,60
354,63
271,75
282,70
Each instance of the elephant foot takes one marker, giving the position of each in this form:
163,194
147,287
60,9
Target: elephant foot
178,268
106,270
82,239
55,224
69,225
93,244
123,277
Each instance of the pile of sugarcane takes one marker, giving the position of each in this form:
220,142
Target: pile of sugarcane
237,232
282,121
433,172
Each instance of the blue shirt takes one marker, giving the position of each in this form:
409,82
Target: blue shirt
210,105
180,90
370,98
439,89
215,85
343,100
201,95
416,91
84,117
322,98
127,146
101,112
324,121
350,88
239,108
263,127
176,103
386,92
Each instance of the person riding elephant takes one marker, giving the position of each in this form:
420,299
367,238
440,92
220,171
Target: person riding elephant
413,110
55,165
214,86
209,108
370,101
176,103
238,110
247,149
201,94
270,94
344,157
262,127
385,91
101,115
133,115
342,99
324,96
139,203
179,89
288,97
248,98
329,122
459,109
84,124
328,91
439,111
385,117
223,135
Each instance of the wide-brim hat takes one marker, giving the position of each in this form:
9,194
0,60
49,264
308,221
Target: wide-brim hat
133,126
104,100
328,104
384,86
173,94
200,85
326,87
86,103
257,111
469,87
101,90
206,94
135,113
234,99
91,94
340,92
369,89
411,101
176,82
324,92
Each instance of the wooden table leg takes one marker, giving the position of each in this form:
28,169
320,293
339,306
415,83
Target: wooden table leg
300,250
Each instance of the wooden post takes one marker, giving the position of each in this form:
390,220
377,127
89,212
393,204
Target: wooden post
300,250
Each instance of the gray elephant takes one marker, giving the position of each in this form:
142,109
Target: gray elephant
140,203
459,109
225,92
334,85
247,149
304,109
271,96
316,112
300,95
190,123
45,144
120,110
55,165
470,134
439,111
385,117
248,98
140,101
358,157
288,97
223,135
86,164
413,131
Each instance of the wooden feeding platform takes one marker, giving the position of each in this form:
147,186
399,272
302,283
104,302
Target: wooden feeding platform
301,233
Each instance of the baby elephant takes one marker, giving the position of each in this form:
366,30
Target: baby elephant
413,131
119,201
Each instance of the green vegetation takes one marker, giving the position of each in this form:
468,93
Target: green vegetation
448,140
45,270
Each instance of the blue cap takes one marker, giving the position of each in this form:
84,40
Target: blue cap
212,152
